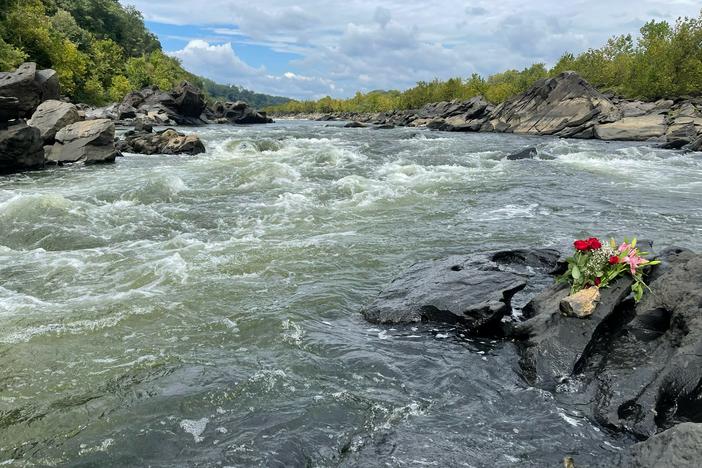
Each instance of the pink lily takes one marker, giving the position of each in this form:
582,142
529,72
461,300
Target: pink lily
634,261
624,247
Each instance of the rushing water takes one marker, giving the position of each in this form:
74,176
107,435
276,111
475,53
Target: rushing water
204,311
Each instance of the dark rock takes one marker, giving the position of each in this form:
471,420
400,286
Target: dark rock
92,141
355,125
30,87
637,367
238,112
678,447
21,148
384,127
473,291
528,153
167,141
674,144
51,116
695,145
9,109
189,100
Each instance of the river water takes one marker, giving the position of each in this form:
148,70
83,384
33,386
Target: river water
204,311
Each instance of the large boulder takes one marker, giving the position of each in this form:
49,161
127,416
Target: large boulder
92,141
565,105
189,100
641,128
51,116
636,367
168,141
473,291
9,109
21,148
237,112
678,447
30,86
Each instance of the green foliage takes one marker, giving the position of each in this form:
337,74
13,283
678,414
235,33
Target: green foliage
219,92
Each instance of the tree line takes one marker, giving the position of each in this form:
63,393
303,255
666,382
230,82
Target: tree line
100,49
664,61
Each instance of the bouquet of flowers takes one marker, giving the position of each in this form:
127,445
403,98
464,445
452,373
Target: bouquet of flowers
597,265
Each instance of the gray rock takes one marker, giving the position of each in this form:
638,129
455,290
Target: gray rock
168,141
20,149
474,291
51,116
633,128
92,141
29,86
678,447
562,105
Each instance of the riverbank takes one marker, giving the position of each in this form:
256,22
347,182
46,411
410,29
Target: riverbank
565,106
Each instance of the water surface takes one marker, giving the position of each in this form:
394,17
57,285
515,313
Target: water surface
203,311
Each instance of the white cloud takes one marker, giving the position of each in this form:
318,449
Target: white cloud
220,62
394,43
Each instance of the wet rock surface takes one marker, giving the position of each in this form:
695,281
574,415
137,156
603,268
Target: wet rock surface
473,291
144,141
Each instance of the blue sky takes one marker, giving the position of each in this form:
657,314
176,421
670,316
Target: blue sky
309,49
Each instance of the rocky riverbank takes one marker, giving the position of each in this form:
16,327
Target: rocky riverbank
564,106
37,127
634,368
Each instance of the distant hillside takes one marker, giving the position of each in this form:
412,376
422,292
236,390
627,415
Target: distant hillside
219,92
100,49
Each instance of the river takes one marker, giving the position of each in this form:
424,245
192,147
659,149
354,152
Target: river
204,311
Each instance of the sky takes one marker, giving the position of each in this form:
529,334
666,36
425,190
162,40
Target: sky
309,49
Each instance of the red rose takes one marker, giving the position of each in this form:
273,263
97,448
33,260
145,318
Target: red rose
598,281
613,260
581,245
594,243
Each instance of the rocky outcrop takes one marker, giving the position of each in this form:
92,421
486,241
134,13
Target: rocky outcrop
92,141
473,291
237,112
51,116
645,127
638,366
565,105
678,447
21,149
169,141
30,87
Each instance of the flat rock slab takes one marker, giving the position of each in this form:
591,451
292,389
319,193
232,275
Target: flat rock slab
474,291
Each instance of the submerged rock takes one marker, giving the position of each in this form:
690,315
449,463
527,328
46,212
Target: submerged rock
355,125
51,116
21,148
474,291
91,141
168,141
528,153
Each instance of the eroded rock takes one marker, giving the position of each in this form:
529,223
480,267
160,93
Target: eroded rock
51,116
473,291
168,141
21,148
92,141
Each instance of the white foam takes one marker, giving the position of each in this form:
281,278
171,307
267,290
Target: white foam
195,427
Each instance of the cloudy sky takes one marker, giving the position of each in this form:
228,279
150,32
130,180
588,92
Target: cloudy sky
309,49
